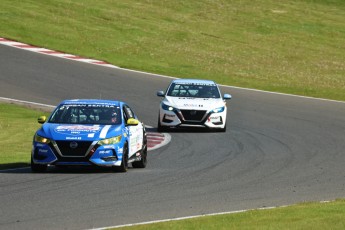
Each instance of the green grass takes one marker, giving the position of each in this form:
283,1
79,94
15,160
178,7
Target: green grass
285,46
288,46
17,127
316,216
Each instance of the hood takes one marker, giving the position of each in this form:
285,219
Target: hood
78,131
194,103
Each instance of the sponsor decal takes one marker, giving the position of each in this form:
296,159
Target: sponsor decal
169,115
105,152
196,83
120,150
42,150
133,145
214,119
93,105
193,105
73,138
91,135
77,129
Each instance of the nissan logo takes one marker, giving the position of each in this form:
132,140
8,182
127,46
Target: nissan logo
73,145
193,112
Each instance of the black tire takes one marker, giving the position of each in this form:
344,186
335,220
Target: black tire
37,167
124,164
143,162
223,130
161,128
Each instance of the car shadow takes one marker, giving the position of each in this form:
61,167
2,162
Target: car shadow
188,130
24,168
10,166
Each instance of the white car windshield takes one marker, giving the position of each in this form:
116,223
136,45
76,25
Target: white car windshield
193,90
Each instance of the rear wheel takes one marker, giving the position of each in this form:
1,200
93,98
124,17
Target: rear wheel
37,167
124,163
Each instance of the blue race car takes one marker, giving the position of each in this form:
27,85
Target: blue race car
90,132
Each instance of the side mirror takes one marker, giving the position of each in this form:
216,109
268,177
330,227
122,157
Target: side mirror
160,93
42,119
132,121
227,96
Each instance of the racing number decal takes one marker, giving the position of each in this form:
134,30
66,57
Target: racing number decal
135,133
135,138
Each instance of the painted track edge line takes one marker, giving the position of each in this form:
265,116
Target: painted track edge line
25,102
241,88
196,216
12,43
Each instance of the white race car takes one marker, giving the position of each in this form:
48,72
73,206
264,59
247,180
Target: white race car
192,103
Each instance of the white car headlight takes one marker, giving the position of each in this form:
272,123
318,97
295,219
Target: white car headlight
167,107
218,110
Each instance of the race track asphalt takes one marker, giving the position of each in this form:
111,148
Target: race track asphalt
277,150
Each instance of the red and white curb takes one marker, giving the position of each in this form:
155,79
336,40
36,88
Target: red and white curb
54,53
155,140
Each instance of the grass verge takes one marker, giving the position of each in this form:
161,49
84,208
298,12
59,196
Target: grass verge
17,127
289,46
315,215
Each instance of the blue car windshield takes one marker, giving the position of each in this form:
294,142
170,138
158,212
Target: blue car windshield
86,114
193,90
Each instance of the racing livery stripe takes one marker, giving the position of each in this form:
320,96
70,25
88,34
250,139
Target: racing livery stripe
104,131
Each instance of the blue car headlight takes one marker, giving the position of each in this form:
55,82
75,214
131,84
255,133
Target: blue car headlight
110,141
42,140
167,107
218,110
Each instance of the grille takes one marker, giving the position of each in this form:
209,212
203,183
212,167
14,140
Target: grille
79,151
193,115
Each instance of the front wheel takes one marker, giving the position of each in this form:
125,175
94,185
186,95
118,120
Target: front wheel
124,163
223,130
37,167
161,128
